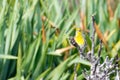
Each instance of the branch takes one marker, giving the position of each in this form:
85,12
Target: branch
100,49
75,71
93,36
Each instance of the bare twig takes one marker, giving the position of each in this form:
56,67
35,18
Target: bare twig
117,70
75,71
99,51
93,36
117,73
84,71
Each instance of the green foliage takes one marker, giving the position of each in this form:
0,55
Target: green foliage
32,30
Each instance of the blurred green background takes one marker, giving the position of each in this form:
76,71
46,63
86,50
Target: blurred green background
34,36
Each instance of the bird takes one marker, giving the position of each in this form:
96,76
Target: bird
79,38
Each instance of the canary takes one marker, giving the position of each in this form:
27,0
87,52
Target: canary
79,39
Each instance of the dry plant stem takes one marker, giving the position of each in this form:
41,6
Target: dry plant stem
93,61
44,18
99,51
82,55
98,60
93,36
75,71
117,73
117,69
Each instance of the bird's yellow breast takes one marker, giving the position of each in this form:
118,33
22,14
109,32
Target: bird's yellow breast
79,38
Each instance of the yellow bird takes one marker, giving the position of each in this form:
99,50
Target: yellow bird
79,39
